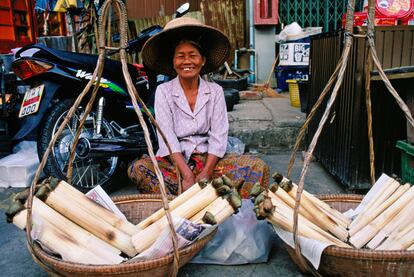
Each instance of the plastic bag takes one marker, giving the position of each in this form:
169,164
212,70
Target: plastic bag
18,169
235,146
293,31
241,239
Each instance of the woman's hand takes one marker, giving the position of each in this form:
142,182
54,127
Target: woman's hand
188,181
204,174
208,169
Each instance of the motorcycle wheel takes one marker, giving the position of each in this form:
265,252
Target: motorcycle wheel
87,172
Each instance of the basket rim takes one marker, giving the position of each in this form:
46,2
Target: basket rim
125,267
362,254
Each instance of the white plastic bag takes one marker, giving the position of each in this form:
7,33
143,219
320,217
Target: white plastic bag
293,31
18,169
235,146
241,239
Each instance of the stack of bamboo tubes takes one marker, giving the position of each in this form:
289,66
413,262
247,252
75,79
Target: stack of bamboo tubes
80,230
204,202
384,223
317,220
73,226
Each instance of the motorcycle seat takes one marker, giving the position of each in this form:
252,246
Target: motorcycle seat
112,69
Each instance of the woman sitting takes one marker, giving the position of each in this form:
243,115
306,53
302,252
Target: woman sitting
192,113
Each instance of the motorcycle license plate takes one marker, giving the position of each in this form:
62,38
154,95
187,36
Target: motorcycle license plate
31,101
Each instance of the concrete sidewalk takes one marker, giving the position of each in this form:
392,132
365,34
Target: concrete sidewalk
267,125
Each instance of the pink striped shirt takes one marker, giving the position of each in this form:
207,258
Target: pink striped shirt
204,130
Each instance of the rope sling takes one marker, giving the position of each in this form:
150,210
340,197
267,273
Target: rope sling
95,81
338,75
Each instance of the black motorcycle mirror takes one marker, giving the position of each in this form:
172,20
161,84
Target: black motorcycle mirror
182,10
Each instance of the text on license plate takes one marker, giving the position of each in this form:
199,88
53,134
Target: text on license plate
31,101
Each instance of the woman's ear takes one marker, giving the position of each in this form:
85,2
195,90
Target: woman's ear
204,61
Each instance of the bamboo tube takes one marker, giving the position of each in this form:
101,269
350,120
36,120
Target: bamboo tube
335,215
395,236
220,215
402,219
384,189
146,237
388,189
370,230
286,210
185,196
321,206
219,210
19,219
40,209
320,218
400,222
370,215
214,207
82,235
70,237
64,189
57,240
89,221
286,223
305,211
223,214
286,198
404,241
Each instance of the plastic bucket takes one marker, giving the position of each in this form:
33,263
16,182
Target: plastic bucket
294,93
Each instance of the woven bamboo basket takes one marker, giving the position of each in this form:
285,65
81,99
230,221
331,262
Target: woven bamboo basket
337,261
135,208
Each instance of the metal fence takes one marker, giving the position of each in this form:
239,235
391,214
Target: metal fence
315,13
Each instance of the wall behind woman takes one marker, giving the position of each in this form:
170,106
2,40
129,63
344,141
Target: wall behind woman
226,15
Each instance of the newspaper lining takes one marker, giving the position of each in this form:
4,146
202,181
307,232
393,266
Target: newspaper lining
187,233
98,195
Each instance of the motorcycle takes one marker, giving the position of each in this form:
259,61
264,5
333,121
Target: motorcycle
111,132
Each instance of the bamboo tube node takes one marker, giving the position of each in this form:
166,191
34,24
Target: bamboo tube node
209,218
203,183
235,200
260,198
218,182
268,205
21,196
15,208
274,187
256,190
223,190
286,185
227,181
277,177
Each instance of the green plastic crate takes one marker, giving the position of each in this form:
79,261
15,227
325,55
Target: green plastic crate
407,161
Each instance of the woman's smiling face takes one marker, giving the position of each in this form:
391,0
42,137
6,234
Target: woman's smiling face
187,61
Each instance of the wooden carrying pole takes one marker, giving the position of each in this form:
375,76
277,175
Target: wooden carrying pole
95,81
338,75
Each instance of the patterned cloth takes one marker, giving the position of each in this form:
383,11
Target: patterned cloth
202,130
244,169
